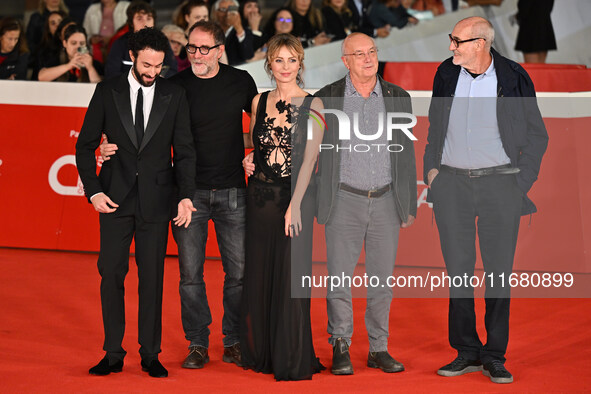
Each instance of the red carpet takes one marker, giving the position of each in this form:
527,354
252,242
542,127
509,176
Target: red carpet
51,333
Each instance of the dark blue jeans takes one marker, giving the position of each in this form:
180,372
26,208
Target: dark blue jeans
227,209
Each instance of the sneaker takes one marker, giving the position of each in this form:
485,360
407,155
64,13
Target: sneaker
460,366
497,372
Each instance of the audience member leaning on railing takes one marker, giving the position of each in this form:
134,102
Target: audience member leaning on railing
14,56
390,12
250,12
50,41
73,63
280,22
308,24
338,19
38,18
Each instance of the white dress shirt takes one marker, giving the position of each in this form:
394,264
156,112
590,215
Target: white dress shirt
148,93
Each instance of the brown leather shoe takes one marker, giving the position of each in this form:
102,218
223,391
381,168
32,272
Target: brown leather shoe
232,354
196,358
383,361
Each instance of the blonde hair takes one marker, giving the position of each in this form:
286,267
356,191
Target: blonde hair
290,42
344,10
62,6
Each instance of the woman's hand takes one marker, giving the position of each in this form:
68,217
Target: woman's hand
86,61
76,62
254,20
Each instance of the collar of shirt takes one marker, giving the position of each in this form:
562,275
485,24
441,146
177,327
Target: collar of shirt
489,71
350,90
147,92
135,85
359,6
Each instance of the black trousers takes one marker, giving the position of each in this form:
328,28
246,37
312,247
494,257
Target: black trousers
491,206
117,230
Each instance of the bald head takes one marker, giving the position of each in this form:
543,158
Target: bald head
478,27
355,40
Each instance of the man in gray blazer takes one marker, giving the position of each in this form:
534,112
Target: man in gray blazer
367,191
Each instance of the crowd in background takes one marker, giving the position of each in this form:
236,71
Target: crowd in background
56,46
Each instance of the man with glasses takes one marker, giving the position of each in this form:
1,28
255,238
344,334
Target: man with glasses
364,197
485,146
239,41
217,95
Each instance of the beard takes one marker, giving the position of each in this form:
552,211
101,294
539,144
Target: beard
140,77
200,69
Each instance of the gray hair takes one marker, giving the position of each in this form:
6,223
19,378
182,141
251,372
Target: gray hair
481,28
172,29
348,38
216,6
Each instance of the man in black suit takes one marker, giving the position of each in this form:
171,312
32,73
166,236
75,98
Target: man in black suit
145,116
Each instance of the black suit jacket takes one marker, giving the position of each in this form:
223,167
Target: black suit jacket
150,165
361,22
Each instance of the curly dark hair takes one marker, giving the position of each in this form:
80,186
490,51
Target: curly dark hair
148,37
139,7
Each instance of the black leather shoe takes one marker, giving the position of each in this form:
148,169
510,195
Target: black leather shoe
341,359
460,366
384,361
497,372
196,358
232,354
103,367
155,369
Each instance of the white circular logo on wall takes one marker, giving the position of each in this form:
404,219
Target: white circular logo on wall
55,183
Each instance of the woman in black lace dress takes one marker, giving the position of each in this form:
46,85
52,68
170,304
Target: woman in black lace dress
276,335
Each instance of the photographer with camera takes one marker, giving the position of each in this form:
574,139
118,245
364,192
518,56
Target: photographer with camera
74,63
239,41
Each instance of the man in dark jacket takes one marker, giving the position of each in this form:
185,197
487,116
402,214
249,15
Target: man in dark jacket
485,146
147,117
365,195
139,15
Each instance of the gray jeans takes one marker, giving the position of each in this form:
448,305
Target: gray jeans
354,220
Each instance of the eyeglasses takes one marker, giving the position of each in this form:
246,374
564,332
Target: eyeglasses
458,42
286,20
204,50
373,52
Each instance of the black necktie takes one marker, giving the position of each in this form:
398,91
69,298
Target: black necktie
139,117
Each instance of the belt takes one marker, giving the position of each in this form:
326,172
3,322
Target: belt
478,172
374,193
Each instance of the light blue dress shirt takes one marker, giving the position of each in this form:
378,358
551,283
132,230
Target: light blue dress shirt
473,139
